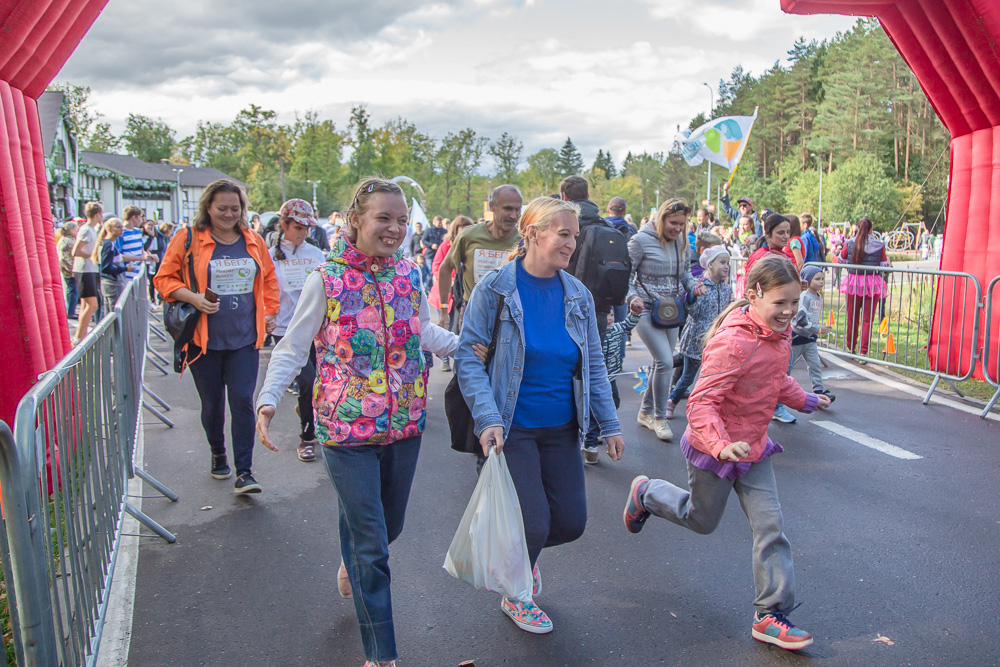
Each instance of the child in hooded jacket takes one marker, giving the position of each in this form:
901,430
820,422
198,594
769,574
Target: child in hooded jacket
743,375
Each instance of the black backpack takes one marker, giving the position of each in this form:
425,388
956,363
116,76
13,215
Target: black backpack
603,264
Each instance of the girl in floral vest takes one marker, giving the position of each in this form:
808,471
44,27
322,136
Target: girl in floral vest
364,311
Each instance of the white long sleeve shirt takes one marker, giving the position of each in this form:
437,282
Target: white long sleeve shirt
291,273
290,354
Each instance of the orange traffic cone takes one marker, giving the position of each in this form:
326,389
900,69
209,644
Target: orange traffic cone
883,327
831,320
890,345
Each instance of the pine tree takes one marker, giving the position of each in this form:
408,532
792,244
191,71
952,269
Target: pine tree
604,162
570,161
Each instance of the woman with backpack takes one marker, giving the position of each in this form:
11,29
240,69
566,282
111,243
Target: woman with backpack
661,270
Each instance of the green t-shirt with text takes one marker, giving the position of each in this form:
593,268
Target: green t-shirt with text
479,252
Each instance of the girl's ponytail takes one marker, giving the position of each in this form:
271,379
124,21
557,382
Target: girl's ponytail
279,254
712,330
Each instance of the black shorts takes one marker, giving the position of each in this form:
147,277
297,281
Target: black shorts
87,284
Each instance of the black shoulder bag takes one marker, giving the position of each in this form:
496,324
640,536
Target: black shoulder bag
180,318
460,421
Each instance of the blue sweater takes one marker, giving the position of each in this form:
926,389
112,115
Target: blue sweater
545,397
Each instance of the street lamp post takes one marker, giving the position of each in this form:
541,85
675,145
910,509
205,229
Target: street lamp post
711,108
819,162
178,171
315,205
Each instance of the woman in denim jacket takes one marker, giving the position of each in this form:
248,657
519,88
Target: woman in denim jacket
546,376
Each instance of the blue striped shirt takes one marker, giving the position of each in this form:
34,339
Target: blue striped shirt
132,245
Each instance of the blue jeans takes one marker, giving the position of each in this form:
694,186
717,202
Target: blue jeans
232,374
72,294
373,486
547,470
691,367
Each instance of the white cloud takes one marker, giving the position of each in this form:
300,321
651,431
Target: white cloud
616,76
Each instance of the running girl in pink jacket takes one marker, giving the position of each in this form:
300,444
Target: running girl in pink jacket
743,376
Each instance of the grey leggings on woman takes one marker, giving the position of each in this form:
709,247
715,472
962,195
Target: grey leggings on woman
661,344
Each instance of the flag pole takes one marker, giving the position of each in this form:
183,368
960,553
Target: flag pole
745,144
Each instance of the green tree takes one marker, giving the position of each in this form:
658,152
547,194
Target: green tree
77,108
148,139
570,161
103,140
360,134
212,145
543,171
860,188
604,162
506,151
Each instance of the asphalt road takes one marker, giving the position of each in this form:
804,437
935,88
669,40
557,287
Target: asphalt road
884,547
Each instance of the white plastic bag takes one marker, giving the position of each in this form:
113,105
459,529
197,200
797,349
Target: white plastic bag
489,550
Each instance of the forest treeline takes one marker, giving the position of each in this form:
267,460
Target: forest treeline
849,106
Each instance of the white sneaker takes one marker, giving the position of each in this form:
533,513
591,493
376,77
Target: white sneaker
662,430
646,419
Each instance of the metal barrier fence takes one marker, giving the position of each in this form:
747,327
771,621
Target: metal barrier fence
894,324
991,345
63,479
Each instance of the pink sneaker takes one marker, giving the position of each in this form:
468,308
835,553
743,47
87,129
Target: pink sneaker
670,409
536,581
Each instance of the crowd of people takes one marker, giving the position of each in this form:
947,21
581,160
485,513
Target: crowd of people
550,290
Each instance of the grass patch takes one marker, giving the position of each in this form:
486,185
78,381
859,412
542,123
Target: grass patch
8,633
901,328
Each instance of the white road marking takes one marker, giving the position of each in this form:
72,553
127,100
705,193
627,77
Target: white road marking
867,440
905,388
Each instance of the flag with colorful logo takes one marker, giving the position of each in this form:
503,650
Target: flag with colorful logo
720,141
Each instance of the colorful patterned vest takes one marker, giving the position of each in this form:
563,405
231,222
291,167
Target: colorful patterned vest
370,370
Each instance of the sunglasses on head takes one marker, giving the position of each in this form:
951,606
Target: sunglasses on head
679,207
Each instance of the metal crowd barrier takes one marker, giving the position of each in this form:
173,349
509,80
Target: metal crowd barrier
991,346
63,479
898,329
132,314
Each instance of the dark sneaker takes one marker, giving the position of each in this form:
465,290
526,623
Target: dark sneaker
828,394
774,628
247,484
220,467
635,514
590,455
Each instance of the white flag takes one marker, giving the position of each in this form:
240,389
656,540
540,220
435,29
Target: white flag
720,141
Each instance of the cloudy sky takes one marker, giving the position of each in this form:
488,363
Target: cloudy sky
618,75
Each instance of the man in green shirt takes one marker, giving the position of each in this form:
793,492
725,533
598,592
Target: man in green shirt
481,248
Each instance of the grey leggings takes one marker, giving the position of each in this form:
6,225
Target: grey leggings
661,344
700,510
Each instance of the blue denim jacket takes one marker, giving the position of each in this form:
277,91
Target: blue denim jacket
492,398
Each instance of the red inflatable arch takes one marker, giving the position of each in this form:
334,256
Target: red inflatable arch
36,38
953,48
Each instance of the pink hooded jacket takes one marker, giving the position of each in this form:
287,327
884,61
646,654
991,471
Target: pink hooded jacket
743,376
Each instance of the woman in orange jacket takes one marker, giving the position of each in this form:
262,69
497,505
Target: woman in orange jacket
237,293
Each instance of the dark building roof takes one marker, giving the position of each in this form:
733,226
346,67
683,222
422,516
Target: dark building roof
133,167
49,116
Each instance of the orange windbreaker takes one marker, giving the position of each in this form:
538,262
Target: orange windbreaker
173,275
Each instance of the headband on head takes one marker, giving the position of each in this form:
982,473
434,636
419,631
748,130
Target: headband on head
710,254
